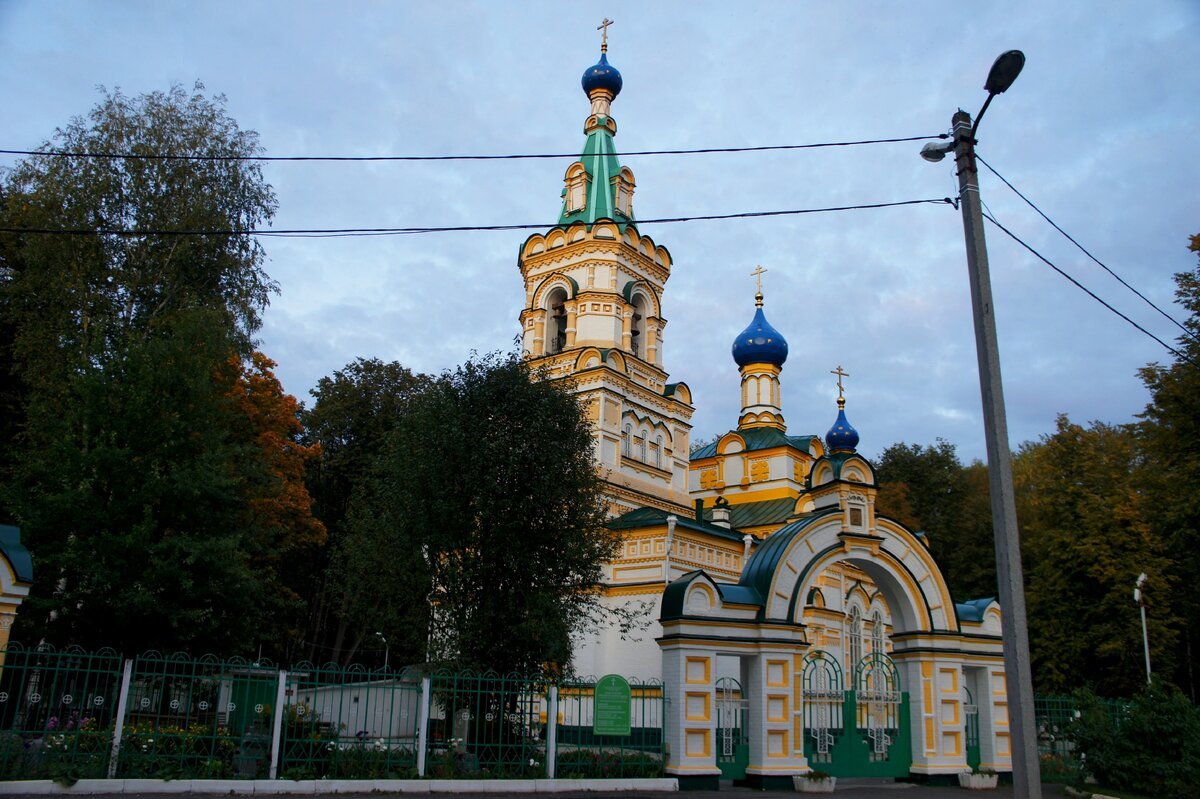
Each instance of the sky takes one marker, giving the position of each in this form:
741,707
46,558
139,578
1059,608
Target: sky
1100,131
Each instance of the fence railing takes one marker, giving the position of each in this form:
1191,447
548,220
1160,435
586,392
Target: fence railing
1053,717
72,714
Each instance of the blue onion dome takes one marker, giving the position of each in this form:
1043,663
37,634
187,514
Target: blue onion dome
760,343
841,436
601,76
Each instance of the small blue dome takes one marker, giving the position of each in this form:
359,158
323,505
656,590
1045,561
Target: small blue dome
602,76
841,435
760,343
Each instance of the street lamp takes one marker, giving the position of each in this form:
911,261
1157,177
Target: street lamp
379,635
1026,772
1140,599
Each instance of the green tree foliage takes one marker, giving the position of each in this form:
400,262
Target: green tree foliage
355,411
1151,748
1170,437
488,485
153,468
926,488
1085,538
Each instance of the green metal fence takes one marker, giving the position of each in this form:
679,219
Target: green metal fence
72,714
203,718
580,754
1053,717
487,725
350,723
57,711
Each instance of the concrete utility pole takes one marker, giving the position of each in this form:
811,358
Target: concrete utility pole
1009,573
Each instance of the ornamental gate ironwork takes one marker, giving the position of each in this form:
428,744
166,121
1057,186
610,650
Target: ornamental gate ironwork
733,742
860,731
971,712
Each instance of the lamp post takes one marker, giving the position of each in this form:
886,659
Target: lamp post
1140,599
379,635
1026,771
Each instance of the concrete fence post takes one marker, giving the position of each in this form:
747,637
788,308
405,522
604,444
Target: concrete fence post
552,732
119,721
423,729
277,725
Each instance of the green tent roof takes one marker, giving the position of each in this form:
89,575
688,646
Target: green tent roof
599,160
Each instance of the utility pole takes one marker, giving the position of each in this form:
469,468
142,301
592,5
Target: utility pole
1009,572
1027,780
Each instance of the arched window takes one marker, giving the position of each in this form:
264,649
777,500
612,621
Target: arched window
854,640
637,332
641,445
556,321
658,451
877,631
627,441
576,191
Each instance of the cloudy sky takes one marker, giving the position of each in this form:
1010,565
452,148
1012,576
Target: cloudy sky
1100,130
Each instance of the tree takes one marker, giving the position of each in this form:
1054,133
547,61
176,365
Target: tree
355,410
154,468
1085,538
1169,433
281,534
927,488
488,485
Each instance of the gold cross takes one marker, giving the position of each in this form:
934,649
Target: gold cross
757,275
838,371
603,28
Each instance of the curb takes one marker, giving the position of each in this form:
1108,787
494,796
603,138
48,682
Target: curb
322,787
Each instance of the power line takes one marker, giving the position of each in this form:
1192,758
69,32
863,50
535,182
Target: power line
1088,291
405,231
510,157
1084,250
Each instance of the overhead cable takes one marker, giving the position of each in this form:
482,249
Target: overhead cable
1043,259
510,157
404,231
1084,250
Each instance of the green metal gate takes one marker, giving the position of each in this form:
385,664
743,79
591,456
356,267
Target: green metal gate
971,712
859,732
733,745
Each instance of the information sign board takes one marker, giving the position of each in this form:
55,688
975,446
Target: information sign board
613,703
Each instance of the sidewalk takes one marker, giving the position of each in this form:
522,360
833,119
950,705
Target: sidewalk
851,790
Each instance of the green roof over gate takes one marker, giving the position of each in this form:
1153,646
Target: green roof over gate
760,568
16,553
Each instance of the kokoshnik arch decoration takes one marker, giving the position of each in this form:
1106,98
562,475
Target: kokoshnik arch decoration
796,628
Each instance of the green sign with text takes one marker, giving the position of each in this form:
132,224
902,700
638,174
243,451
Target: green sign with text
613,704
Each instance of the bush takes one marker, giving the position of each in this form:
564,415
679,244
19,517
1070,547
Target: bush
608,764
1152,748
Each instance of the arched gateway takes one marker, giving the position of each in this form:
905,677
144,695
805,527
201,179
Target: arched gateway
819,701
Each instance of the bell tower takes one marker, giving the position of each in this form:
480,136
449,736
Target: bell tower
593,316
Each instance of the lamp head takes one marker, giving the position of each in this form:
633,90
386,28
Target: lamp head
935,151
1004,71
1141,580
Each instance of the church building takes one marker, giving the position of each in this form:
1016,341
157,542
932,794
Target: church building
792,627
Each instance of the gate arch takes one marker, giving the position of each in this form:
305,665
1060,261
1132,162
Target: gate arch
902,712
